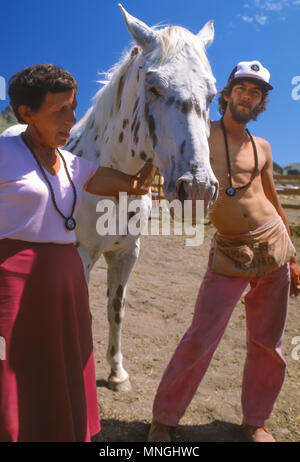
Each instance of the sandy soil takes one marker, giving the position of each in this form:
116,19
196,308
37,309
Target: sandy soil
160,300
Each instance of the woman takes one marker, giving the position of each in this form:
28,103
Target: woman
47,376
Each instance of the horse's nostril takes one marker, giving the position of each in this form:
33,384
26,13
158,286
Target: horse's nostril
181,192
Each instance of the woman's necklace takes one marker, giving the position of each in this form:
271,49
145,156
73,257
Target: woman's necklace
70,222
231,190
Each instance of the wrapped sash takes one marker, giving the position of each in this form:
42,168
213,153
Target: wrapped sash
255,253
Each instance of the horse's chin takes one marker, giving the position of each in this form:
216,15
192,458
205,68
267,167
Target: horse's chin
184,213
188,216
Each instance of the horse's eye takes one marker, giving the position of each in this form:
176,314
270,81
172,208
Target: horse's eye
154,91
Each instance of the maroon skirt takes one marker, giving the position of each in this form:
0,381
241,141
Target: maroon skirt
47,371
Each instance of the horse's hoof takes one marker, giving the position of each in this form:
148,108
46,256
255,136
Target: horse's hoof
120,386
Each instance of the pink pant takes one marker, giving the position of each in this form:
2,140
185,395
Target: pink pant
266,309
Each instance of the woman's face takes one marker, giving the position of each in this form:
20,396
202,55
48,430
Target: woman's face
52,122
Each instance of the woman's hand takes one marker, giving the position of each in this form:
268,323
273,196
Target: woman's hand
110,182
295,277
144,178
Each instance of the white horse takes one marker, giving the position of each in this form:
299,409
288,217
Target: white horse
154,107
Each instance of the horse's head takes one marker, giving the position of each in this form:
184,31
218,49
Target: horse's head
173,90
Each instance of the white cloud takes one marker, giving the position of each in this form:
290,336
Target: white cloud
246,18
261,12
273,6
261,19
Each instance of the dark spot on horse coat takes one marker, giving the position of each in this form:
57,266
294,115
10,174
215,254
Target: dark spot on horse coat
120,291
120,91
135,105
133,123
178,105
152,130
182,147
197,108
151,123
170,101
125,123
75,145
79,153
92,124
69,142
136,130
143,155
117,304
187,106
96,137
121,136
132,152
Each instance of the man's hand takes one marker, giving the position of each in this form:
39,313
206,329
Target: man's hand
295,277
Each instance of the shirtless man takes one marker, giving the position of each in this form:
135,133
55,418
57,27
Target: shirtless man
251,245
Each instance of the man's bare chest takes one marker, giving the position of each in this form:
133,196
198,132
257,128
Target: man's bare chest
241,163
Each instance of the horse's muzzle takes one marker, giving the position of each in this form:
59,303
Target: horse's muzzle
190,189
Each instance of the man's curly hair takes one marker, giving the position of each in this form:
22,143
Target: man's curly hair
29,86
227,91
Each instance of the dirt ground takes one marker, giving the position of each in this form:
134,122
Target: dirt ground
160,300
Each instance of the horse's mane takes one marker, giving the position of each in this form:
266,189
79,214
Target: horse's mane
174,40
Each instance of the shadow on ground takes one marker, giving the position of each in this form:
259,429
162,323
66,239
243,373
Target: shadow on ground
217,431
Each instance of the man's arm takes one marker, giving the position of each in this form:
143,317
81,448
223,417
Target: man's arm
271,193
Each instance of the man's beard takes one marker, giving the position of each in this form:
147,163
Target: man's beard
242,117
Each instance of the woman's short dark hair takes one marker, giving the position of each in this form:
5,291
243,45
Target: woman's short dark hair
29,86
227,91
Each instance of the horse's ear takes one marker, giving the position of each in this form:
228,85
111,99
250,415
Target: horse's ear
207,33
144,36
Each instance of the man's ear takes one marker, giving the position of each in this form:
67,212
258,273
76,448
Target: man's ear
226,97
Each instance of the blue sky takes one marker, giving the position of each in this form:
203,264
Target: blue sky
88,36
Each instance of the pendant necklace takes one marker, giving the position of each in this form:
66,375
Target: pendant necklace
70,222
231,191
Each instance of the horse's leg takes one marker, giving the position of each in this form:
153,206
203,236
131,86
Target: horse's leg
120,265
86,259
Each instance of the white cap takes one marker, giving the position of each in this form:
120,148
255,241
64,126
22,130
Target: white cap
251,70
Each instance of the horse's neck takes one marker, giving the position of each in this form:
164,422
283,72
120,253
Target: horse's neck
106,130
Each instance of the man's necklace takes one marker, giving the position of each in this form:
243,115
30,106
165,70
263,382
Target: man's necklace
70,222
231,190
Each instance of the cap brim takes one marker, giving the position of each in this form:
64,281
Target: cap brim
262,82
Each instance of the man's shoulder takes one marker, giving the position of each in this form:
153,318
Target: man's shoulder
214,124
215,129
262,142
